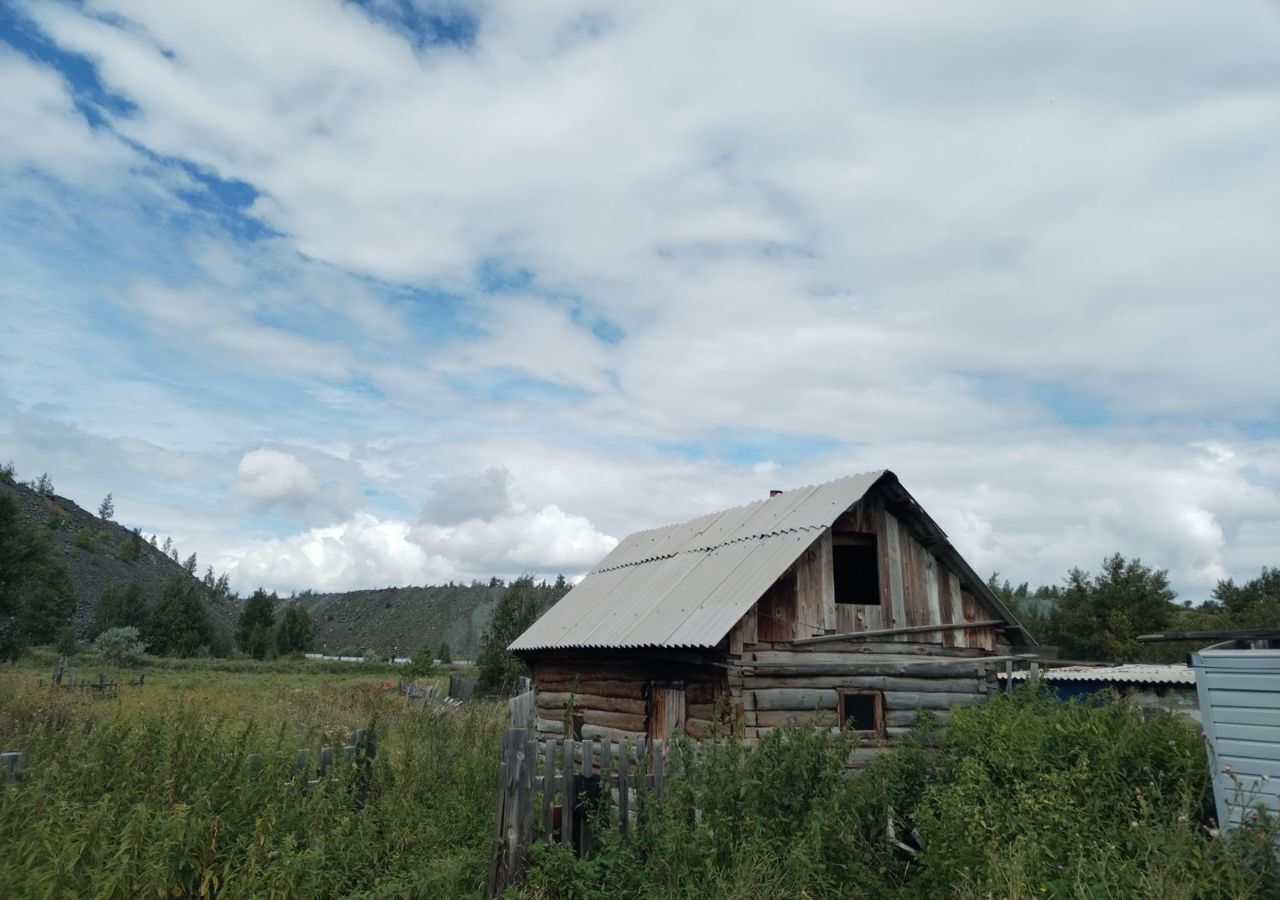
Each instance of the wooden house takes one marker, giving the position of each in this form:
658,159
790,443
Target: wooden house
844,602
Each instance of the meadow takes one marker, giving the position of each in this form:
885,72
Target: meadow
148,794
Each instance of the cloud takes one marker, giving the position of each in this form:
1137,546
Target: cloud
464,497
270,477
642,263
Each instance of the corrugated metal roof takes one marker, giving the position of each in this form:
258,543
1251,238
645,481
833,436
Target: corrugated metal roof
686,585
1129,673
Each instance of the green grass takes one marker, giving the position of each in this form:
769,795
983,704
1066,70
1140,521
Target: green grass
147,794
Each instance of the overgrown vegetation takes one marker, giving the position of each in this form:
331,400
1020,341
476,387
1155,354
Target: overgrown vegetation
1023,797
519,608
149,795
35,593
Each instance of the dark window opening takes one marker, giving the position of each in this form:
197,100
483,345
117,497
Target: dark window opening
862,711
856,567
577,726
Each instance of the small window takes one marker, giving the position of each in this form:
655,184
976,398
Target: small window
578,722
856,567
862,711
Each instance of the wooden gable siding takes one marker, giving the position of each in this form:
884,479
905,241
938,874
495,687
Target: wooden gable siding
916,588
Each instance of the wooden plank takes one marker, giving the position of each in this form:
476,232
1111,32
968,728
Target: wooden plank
750,626
794,699
735,639
612,687
827,581
620,721
885,632
932,593
929,699
856,652
847,677
893,554
567,794
943,580
775,718
624,787
555,702
548,788
659,766
957,609
602,732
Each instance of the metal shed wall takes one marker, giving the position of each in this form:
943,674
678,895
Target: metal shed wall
1239,691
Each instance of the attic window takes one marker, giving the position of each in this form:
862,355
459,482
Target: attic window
862,711
856,567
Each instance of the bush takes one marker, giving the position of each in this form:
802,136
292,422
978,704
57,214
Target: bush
120,646
85,540
423,665
1022,797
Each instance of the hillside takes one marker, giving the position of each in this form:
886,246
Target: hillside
97,553
400,620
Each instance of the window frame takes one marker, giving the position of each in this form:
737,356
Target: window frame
878,729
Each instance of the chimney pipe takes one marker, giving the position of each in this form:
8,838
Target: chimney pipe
774,493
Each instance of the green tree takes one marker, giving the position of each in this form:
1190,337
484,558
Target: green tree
131,549
120,606
520,606
1254,604
423,665
36,600
296,632
179,624
107,509
444,654
7,472
190,565
1099,616
44,485
121,646
254,631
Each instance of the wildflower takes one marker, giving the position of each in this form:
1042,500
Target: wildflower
1173,743
1133,824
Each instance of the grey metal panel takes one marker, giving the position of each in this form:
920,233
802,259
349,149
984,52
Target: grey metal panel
824,504
647,589
558,623
1239,692
734,594
658,624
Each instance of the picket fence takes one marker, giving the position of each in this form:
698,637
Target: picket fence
547,787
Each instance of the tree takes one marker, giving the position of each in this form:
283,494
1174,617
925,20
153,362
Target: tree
107,509
121,646
7,472
444,654
190,565
1254,604
120,606
296,633
1099,616
519,608
254,627
179,624
131,549
167,547
423,665
44,485
36,599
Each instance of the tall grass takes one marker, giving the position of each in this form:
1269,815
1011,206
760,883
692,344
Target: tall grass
1022,797
148,795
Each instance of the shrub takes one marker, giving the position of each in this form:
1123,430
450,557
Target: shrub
85,540
121,646
423,665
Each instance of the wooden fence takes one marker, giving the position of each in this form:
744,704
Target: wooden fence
547,787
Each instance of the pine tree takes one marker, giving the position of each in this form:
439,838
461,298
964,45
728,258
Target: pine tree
36,599
107,509
296,633
190,565
120,606
254,627
179,624
519,608
444,654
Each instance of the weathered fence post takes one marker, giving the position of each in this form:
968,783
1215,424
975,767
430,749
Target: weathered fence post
9,762
514,811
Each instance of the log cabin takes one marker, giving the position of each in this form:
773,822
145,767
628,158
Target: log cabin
842,603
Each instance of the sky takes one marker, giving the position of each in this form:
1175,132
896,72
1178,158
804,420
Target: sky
354,294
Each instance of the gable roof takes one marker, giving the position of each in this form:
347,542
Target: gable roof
687,585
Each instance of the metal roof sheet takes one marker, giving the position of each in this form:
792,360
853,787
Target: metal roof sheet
1130,673
686,585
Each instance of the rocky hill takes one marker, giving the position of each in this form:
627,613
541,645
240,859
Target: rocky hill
98,553
400,620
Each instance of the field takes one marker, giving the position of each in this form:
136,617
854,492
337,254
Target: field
148,794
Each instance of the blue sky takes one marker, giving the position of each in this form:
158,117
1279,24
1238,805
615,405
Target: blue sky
283,276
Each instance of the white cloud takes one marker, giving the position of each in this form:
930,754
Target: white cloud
926,237
271,476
